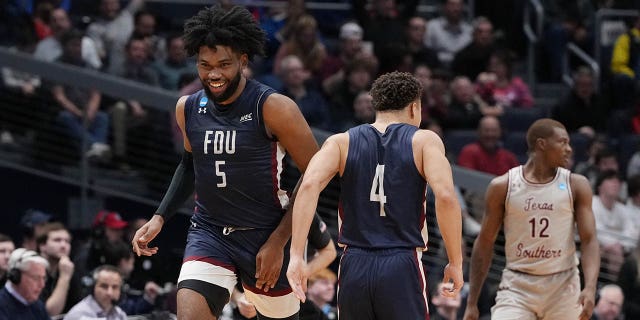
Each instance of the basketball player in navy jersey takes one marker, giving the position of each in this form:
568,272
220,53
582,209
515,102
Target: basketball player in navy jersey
539,204
236,132
384,168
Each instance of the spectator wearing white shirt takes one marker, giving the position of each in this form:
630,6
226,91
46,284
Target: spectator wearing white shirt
449,33
50,48
612,222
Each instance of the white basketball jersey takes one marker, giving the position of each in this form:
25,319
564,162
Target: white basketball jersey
539,224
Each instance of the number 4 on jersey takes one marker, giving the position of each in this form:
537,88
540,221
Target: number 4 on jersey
377,189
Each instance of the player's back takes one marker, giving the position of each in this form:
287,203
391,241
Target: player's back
382,193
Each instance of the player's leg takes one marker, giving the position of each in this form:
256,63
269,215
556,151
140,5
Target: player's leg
517,297
400,288
279,302
563,292
354,278
207,276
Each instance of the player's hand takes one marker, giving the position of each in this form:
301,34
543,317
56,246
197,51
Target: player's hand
471,313
145,234
297,276
269,262
587,301
452,273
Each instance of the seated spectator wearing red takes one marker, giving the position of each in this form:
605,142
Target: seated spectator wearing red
486,154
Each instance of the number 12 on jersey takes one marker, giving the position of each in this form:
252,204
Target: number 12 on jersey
377,189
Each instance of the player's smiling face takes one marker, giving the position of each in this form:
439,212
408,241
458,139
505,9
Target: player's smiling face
220,71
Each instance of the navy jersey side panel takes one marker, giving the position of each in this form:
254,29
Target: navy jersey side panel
380,171
237,166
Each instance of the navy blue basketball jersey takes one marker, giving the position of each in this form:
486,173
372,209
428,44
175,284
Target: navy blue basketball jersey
382,194
237,165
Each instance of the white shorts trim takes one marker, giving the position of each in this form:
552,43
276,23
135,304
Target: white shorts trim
199,270
274,307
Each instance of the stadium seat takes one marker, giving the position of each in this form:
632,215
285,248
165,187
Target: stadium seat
516,142
517,119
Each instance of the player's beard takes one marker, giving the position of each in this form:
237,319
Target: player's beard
227,93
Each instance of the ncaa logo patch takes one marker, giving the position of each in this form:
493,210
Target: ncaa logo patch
203,101
562,186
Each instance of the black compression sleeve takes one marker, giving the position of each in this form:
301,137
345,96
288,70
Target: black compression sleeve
181,187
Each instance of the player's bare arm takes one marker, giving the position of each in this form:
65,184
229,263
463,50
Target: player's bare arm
322,168
283,120
589,249
482,253
437,171
150,230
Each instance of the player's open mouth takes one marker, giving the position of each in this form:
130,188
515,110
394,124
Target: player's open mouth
217,87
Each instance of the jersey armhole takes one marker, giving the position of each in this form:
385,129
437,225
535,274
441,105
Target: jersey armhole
262,98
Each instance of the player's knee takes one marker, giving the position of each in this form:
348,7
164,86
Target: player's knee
192,303
292,317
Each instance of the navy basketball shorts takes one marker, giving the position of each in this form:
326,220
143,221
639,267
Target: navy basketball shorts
222,258
382,284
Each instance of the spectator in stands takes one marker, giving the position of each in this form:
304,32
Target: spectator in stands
449,33
582,110
589,168
486,155
19,296
612,222
349,47
466,108
437,96
422,72
277,22
420,53
633,167
113,28
131,114
566,22
62,289
108,228
633,208
384,25
52,48
312,104
624,66
6,247
42,19
474,58
176,64
80,114
107,285
629,281
445,308
607,160
145,27
359,75
609,305
133,300
305,43
32,223
321,290
20,88
499,86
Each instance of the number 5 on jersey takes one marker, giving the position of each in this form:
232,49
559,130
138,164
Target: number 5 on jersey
377,189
